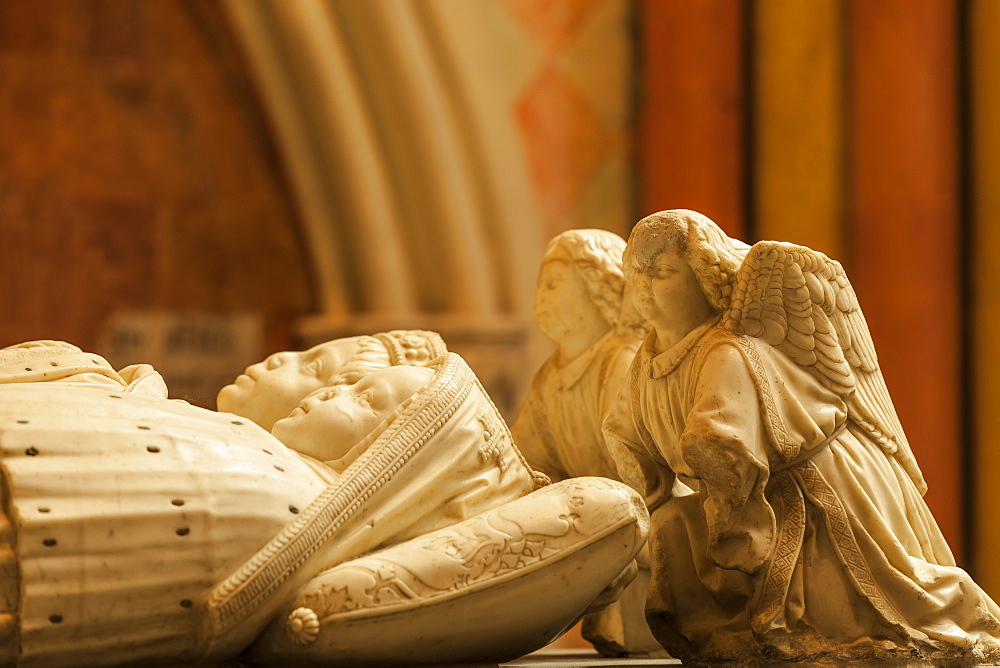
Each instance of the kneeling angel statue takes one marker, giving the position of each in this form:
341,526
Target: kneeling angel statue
787,512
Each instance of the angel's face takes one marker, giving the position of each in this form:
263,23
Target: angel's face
666,290
270,390
328,423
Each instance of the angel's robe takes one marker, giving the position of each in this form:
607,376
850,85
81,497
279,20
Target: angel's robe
559,426
559,432
778,527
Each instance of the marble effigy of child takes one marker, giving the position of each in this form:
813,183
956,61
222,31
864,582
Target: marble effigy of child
269,390
138,528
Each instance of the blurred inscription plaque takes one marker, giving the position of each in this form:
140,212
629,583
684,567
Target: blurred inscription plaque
197,353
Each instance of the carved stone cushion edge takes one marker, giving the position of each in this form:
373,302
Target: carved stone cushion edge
630,512
563,553
522,613
524,610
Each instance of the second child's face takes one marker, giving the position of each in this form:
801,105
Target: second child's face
328,423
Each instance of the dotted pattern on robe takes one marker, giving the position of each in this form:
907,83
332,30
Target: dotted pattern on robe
9,579
139,504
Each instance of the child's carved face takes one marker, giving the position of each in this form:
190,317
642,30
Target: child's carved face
328,423
268,391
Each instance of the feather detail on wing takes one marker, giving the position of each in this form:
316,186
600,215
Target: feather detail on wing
801,302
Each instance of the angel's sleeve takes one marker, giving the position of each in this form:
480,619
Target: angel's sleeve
627,439
724,445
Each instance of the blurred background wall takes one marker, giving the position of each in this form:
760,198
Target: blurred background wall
298,170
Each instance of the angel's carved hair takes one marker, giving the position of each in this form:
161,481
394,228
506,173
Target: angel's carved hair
596,255
714,257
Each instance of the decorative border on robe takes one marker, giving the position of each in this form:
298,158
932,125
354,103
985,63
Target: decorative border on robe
779,432
788,545
839,527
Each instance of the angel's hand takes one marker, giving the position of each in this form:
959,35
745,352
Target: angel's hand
740,541
739,552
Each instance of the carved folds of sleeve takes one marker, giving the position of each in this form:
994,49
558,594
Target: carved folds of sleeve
723,445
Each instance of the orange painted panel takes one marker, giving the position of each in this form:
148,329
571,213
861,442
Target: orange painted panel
905,224
691,116
136,172
798,123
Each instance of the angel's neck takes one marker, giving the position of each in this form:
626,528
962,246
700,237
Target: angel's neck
669,335
667,339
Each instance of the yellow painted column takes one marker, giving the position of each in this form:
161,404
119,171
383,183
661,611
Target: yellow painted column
798,159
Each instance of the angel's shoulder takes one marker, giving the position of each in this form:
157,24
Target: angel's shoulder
721,345
720,337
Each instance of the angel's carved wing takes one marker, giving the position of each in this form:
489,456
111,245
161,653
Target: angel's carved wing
801,302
